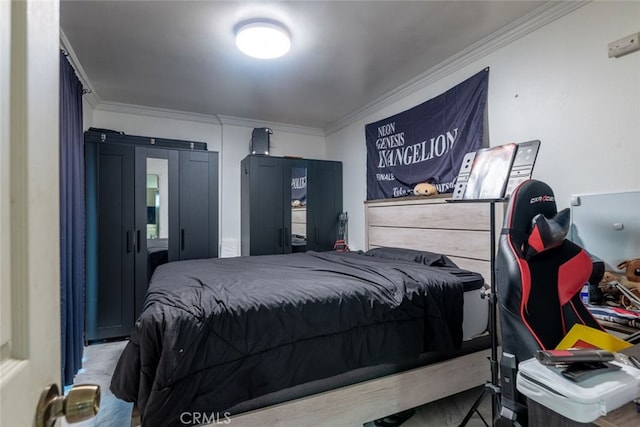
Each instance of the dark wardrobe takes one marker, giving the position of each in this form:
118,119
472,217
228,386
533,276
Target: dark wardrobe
148,201
289,204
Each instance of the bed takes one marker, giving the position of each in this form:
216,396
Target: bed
157,254
337,338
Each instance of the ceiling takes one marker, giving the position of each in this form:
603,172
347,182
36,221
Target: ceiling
180,55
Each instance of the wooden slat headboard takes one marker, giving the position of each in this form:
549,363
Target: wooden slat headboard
459,230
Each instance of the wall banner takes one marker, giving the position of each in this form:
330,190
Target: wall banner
299,186
427,142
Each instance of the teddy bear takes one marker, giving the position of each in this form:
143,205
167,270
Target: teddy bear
425,189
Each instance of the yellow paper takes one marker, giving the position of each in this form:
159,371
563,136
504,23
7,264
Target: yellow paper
581,336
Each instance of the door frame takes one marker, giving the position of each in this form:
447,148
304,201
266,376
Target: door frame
29,206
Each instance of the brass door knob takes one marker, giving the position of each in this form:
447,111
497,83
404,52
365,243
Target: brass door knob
81,403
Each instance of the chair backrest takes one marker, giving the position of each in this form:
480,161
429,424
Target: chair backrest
539,273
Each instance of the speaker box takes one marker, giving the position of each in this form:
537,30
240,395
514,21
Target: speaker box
260,141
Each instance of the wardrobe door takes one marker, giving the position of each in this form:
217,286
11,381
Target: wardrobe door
110,240
156,213
324,195
198,200
263,205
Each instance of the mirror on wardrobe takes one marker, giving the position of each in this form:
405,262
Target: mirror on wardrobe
157,212
153,206
298,209
157,198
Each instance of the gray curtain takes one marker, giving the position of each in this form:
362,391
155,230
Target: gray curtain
71,221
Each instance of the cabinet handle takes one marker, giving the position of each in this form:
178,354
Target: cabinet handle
138,241
182,239
128,238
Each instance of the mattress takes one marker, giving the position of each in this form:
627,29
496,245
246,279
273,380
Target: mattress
219,332
475,319
157,254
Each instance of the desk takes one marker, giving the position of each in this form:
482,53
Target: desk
618,329
626,416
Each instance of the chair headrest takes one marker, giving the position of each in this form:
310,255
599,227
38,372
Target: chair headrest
529,199
547,233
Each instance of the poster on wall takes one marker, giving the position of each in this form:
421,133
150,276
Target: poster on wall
427,142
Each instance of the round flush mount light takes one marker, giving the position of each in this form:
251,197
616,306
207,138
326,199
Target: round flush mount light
263,39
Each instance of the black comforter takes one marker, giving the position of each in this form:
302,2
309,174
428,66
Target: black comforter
217,332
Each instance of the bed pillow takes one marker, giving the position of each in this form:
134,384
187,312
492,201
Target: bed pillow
411,255
547,233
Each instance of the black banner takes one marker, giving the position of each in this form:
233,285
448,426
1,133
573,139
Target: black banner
299,186
427,142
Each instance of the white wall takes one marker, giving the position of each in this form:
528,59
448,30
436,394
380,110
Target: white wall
133,123
235,148
87,114
557,85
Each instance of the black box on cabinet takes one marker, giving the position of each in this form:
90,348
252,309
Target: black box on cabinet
260,141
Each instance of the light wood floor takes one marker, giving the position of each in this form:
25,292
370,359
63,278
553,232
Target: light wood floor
100,360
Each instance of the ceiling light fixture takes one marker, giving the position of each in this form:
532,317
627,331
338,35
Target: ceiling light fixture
264,39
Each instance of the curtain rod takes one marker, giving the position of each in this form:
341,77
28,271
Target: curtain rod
66,54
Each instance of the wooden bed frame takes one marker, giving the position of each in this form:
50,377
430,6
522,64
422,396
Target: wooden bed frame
359,403
458,230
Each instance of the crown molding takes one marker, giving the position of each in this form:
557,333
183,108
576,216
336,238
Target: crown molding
519,28
220,120
282,127
140,110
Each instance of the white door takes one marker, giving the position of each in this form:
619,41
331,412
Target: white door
29,225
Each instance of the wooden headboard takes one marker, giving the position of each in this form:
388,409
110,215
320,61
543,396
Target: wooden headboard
459,230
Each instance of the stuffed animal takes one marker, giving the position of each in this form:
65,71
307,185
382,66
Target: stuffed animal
425,189
609,277
613,294
606,283
632,269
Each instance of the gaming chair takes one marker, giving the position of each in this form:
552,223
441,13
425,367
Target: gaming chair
539,275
